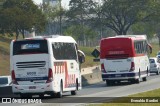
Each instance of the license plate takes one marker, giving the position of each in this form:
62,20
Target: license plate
118,75
32,87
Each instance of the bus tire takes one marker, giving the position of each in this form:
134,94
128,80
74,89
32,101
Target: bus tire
109,83
53,95
144,78
147,72
132,81
60,93
41,95
138,80
75,91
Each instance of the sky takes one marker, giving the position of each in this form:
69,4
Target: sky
65,3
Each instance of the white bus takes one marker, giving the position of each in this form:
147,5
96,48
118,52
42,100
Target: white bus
45,65
124,58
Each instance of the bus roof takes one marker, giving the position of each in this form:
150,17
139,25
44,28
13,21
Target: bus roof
134,37
54,38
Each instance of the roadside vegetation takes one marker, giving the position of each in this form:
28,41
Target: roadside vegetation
4,55
154,94
124,102
89,58
155,49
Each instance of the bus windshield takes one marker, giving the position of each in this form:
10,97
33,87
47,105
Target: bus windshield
116,48
30,47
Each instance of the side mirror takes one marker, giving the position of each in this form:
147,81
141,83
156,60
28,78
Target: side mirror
81,56
150,48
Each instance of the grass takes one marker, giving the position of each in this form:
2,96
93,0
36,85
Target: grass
123,101
129,104
155,49
153,93
89,58
4,64
4,55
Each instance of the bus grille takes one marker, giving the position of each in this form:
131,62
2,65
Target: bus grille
31,64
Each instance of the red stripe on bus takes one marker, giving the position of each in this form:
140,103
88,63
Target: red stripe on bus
66,74
60,67
55,67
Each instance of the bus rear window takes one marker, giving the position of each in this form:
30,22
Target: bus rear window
30,47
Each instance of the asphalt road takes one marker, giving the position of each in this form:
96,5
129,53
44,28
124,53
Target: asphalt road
99,92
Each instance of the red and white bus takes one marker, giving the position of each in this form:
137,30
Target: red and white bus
124,58
45,65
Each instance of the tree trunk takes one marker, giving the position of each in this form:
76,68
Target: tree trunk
159,40
17,34
23,34
124,32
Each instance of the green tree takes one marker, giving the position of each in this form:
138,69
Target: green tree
76,32
120,15
22,15
55,18
79,12
151,27
156,18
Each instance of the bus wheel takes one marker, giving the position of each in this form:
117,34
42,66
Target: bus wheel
138,80
109,83
132,81
53,95
147,72
41,95
144,78
75,91
60,93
